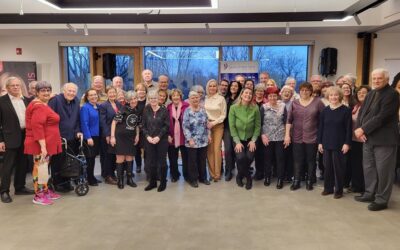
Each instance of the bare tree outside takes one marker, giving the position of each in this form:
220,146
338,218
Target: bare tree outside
235,53
78,67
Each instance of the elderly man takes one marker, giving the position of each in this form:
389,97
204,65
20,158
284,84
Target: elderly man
98,84
147,76
291,82
12,136
118,83
32,90
163,82
264,77
316,82
223,87
240,79
377,128
66,105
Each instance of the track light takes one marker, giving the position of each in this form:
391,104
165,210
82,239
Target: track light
85,30
146,29
208,28
287,28
357,19
69,26
21,11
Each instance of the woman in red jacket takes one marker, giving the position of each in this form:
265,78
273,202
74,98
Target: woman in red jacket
42,140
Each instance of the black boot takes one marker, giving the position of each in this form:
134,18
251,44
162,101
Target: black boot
309,185
129,175
163,186
267,181
279,184
239,181
152,185
295,185
249,183
120,175
228,175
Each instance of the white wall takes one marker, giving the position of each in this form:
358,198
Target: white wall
386,46
44,49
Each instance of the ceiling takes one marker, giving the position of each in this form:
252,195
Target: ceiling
230,17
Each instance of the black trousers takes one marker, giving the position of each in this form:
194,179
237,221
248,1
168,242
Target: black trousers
288,154
260,158
156,159
138,154
275,149
56,161
304,153
244,160
356,163
14,158
335,164
229,153
103,151
108,166
197,164
173,155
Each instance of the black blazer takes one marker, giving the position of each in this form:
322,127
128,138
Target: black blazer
10,131
107,114
379,121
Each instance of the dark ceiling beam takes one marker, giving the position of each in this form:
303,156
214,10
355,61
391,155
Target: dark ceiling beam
65,4
361,6
170,18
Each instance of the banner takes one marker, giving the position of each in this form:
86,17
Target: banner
249,69
26,71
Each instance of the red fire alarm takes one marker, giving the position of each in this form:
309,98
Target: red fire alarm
18,51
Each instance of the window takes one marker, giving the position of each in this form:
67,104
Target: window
283,61
124,69
185,66
235,53
79,67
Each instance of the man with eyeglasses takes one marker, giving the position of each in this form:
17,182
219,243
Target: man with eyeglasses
12,136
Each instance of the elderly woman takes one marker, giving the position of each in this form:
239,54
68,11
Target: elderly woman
107,110
232,95
90,126
301,129
162,97
176,138
291,82
244,124
259,158
200,90
141,91
215,106
124,138
273,119
334,139
42,141
155,128
356,152
196,140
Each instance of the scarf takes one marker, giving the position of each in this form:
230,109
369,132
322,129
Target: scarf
176,113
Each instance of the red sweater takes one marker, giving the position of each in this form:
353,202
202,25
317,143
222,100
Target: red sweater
42,123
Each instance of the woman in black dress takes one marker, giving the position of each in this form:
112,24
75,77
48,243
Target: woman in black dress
125,137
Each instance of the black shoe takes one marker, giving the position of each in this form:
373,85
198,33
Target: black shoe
338,195
5,197
249,183
162,187
362,198
239,181
24,191
321,177
120,175
295,185
279,184
174,179
309,185
98,181
206,182
152,185
93,183
138,170
376,206
194,184
325,193
267,181
228,176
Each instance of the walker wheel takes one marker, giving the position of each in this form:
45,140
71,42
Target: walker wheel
82,189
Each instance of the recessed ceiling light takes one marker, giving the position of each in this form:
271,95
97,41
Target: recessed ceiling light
338,20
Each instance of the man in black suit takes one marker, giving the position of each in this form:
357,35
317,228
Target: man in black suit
12,136
377,127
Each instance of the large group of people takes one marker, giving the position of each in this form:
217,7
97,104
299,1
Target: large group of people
350,133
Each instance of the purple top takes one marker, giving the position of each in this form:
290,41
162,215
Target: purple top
304,120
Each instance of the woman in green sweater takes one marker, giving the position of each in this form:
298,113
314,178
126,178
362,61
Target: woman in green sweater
244,124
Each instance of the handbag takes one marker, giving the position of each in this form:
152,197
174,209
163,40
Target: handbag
43,171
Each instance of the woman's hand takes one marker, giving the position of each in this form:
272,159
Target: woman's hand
108,139
209,139
43,153
252,146
191,143
170,139
320,148
150,139
345,148
90,142
239,148
210,125
286,141
112,141
136,141
156,140
265,140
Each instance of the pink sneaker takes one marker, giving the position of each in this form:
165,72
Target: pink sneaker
51,195
41,199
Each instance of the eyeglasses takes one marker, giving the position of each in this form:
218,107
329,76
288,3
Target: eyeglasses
45,90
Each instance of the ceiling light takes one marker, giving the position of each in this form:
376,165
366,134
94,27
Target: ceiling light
21,11
344,19
287,29
357,19
85,30
214,5
69,26
146,29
